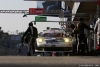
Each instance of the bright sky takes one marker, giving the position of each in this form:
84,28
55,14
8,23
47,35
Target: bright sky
13,22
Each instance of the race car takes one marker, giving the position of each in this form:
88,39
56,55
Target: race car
53,40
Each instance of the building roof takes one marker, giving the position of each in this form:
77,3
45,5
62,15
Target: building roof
88,8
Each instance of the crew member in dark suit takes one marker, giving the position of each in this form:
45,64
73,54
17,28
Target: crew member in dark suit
81,35
30,37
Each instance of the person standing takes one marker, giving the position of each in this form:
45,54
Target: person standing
30,36
97,31
81,35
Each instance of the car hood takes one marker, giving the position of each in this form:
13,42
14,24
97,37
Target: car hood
52,38
49,38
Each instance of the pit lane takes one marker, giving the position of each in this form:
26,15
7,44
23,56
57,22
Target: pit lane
61,61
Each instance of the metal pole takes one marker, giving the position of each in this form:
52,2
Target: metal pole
66,0
58,21
67,14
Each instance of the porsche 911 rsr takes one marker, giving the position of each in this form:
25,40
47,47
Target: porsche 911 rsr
53,42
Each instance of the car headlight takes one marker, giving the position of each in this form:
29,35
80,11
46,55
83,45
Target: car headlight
40,40
66,40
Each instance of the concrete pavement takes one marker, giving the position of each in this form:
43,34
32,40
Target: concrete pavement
62,61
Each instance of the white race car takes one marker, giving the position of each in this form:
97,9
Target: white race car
52,40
